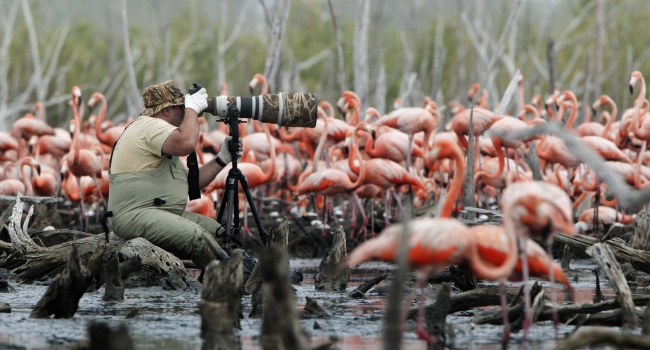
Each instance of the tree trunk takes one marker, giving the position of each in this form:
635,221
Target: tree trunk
132,91
274,58
360,53
340,63
641,237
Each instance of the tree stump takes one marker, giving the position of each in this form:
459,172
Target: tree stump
62,297
641,237
436,316
607,261
334,276
113,284
279,238
102,337
220,307
280,326
586,338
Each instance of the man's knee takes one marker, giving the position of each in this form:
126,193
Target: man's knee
205,249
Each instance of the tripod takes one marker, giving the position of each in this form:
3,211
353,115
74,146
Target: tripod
231,195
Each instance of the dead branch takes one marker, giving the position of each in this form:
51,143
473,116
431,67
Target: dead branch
607,261
587,338
133,93
360,53
340,71
366,286
439,55
618,246
507,95
273,59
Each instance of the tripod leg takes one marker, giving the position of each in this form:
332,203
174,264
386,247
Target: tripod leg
230,195
222,207
244,184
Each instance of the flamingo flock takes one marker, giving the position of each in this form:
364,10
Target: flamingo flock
347,164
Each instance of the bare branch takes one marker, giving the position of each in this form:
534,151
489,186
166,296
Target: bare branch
568,68
37,76
507,95
308,63
575,21
132,86
480,49
273,59
8,30
360,64
340,72
439,55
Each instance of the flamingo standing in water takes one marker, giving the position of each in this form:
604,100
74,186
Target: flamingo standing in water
433,243
333,181
412,120
82,161
536,209
492,243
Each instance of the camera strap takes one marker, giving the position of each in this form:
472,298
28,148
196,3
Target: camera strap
193,177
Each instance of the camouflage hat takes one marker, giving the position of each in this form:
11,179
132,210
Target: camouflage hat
156,97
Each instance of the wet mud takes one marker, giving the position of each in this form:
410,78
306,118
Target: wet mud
163,319
158,318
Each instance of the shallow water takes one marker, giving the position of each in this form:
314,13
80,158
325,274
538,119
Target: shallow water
170,320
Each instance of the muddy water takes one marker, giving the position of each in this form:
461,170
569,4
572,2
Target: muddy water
169,319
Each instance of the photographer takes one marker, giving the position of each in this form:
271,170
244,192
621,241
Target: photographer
149,183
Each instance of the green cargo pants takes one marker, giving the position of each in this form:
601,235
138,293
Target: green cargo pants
151,205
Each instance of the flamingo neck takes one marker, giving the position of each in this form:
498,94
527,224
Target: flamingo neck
100,120
362,167
574,113
611,118
456,185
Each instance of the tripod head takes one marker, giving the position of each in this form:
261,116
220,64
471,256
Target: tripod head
233,121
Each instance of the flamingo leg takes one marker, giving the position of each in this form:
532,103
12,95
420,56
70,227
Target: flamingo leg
353,216
363,229
526,277
372,217
386,209
83,220
409,148
100,192
504,314
324,215
554,315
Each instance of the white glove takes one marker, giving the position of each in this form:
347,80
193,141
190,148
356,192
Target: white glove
197,101
224,155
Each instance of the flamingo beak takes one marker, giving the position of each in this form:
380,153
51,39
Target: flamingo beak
38,169
632,83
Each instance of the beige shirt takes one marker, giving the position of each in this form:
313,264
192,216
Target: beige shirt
140,146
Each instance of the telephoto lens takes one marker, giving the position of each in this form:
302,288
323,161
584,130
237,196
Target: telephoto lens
283,109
